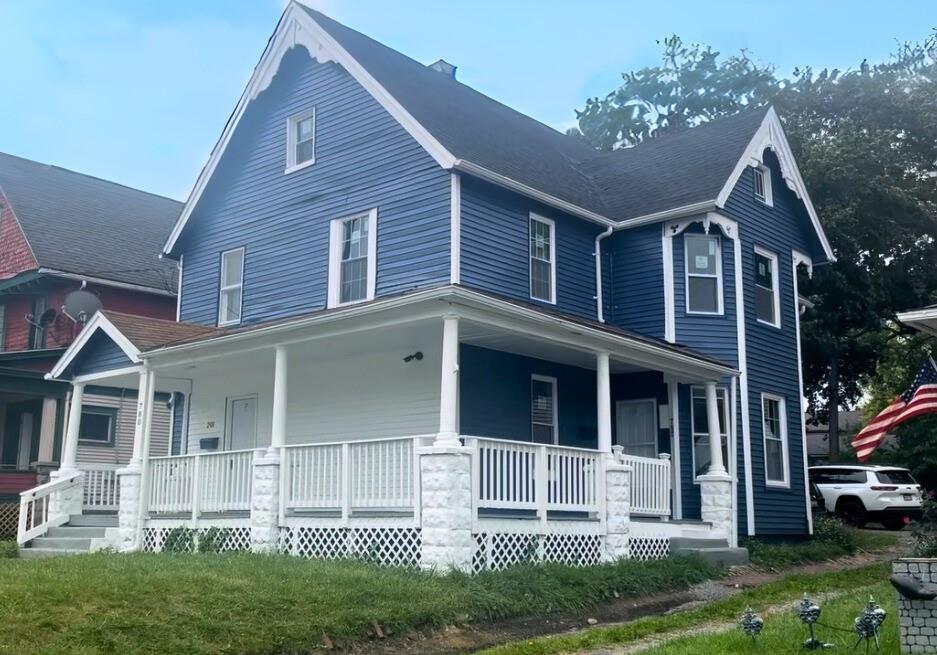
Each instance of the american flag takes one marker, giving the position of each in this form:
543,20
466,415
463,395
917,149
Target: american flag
920,398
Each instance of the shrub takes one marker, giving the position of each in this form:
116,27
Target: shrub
925,530
9,549
830,530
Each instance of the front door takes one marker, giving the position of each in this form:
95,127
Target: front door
242,423
637,426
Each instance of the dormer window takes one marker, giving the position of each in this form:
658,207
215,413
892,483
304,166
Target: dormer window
762,184
300,140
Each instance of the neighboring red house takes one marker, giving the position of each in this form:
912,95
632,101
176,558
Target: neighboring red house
58,230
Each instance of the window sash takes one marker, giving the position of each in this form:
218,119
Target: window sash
699,427
542,252
694,273
231,285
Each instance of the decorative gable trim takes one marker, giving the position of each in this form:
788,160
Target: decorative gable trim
297,27
771,135
98,322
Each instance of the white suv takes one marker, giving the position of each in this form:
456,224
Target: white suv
860,494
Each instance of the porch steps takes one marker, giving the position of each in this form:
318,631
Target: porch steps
714,551
73,538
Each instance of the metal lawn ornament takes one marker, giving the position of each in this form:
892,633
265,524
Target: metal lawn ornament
751,624
809,613
868,624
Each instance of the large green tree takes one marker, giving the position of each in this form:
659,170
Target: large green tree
866,143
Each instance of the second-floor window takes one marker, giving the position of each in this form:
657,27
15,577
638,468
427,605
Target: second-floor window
231,288
37,331
542,259
353,259
762,184
703,274
301,140
767,304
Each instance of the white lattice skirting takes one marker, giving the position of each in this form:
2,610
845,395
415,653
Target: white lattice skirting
185,540
9,518
391,546
650,547
496,551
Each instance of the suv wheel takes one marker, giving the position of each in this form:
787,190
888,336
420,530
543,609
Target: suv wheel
852,510
893,522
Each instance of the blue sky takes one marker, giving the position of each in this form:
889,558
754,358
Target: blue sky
138,92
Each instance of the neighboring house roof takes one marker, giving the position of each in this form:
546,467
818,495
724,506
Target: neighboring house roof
691,171
86,226
923,319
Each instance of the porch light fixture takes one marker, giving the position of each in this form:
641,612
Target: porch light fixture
418,355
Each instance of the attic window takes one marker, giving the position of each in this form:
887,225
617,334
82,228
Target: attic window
301,140
762,184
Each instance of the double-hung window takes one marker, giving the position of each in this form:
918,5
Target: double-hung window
231,288
774,426
703,274
767,296
761,182
543,411
353,259
300,140
542,259
699,419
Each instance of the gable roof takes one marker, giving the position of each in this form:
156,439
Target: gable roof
465,130
83,225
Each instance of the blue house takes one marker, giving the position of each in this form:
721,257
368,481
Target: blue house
416,323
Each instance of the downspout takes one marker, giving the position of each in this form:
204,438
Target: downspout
599,313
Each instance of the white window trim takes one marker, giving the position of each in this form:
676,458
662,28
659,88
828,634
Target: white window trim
768,198
335,256
556,408
240,285
112,414
530,258
291,142
687,275
725,435
775,284
785,455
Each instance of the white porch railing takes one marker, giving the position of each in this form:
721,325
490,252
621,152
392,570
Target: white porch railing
346,476
201,483
650,484
101,488
525,476
38,511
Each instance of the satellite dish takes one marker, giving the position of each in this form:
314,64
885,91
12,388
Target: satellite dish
81,305
47,317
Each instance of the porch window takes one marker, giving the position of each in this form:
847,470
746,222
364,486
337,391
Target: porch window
543,414
703,274
301,140
98,425
699,419
762,184
230,291
352,271
775,435
767,308
542,259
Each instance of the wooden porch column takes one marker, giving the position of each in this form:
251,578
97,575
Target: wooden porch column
142,394
604,402
449,384
70,448
278,431
716,465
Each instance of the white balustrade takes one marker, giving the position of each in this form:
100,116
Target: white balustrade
202,483
38,510
346,476
101,488
525,476
650,484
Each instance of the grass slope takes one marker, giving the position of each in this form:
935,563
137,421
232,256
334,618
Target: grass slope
250,604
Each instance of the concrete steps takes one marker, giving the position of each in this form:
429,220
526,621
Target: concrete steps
715,551
73,538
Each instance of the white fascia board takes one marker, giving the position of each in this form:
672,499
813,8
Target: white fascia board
924,320
297,27
98,322
771,135
106,283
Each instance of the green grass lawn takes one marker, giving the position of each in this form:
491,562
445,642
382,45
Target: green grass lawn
845,541
270,605
785,590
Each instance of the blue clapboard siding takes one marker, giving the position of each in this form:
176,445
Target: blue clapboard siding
772,352
495,251
635,283
98,355
364,159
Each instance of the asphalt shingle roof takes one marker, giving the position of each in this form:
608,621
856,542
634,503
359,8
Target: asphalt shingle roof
662,173
81,224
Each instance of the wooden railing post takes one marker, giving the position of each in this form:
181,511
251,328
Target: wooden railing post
542,482
346,482
195,489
